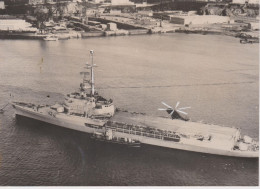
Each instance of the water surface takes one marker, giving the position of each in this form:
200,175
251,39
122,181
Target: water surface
215,75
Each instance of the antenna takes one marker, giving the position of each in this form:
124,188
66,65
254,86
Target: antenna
92,74
91,80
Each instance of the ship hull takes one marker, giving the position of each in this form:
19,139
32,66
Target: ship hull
181,146
79,125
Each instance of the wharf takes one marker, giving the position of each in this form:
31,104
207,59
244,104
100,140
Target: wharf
21,35
121,24
92,34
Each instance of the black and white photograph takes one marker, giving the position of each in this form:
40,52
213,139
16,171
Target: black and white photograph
129,93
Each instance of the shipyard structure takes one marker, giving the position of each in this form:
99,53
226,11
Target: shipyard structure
68,19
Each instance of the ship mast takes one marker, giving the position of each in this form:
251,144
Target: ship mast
92,74
91,80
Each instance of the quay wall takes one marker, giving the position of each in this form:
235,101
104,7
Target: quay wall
5,35
93,34
138,32
120,25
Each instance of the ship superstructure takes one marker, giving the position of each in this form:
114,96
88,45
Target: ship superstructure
87,101
80,108
87,111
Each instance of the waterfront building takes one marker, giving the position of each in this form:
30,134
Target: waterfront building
121,2
117,7
196,19
16,2
245,1
13,24
111,26
2,5
34,2
98,1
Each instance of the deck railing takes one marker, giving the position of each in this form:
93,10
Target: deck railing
140,131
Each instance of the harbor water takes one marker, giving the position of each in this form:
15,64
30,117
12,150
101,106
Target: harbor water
215,75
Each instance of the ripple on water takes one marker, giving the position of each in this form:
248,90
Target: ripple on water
138,72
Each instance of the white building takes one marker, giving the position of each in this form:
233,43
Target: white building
245,1
15,25
121,2
111,26
256,2
254,26
2,5
98,1
196,19
34,2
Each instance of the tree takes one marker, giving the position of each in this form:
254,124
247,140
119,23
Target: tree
61,6
41,14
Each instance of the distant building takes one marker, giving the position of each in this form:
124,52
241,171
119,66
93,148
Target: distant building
256,2
16,2
119,6
118,9
121,2
34,2
197,20
2,5
245,1
97,1
254,26
13,24
111,26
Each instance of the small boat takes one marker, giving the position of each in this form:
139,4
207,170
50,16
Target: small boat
249,40
63,36
51,38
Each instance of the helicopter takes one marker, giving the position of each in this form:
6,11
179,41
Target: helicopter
176,113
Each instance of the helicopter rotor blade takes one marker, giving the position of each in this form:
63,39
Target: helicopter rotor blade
162,109
177,104
183,108
167,105
181,112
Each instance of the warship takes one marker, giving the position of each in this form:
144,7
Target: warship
87,111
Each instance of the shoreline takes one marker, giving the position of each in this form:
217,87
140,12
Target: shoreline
93,34
125,26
